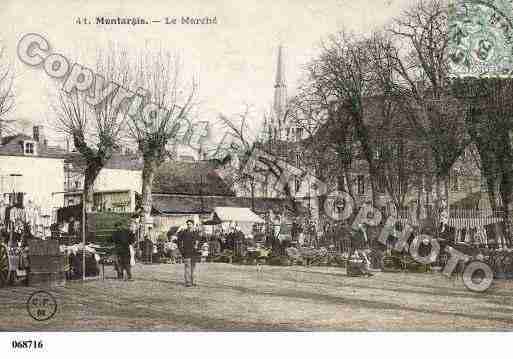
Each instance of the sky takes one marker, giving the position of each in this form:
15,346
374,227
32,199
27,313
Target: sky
233,60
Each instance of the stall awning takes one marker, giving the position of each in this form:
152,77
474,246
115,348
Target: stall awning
237,214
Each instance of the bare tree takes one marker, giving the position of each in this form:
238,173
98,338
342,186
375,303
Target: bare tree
273,166
171,104
489,122
6,97
96,134
157,113
344,74
96,128
422,87
402,154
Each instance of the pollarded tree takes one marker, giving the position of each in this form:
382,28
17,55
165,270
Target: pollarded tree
96,119
164,115
96,134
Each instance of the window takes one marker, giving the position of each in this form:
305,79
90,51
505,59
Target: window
361,184
298,160
29,148
299,133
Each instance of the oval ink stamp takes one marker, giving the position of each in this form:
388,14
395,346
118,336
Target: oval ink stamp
41,305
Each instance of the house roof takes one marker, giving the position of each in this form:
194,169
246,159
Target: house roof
13,146
191,178
183,204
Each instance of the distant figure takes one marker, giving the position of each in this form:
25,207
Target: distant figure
71,226
204,252
187,243
122,239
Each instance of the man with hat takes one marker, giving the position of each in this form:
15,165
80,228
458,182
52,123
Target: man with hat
122,239
187,243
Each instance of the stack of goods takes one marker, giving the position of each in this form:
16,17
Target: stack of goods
47,265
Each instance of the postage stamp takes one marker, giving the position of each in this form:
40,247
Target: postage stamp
481,38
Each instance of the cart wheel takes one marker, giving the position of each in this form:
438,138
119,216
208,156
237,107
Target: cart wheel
4,266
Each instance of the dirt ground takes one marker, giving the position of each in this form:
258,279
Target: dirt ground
239,298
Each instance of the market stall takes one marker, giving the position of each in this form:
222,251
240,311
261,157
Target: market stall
235,225
243,218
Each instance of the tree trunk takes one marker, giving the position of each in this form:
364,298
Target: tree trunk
442,195
446,189
348,182
373,189
148,175
91,172
507,207
252,194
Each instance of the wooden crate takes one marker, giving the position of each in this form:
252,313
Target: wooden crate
38,247
47,264
47,279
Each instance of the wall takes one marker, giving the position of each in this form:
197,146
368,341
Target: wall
115,179
108,180
42,179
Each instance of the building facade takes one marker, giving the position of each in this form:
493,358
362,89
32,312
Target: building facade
29,166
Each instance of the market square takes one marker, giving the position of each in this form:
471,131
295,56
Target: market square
237,298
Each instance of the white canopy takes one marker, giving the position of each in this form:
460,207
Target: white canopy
237,214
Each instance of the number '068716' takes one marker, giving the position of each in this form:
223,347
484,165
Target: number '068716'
27,344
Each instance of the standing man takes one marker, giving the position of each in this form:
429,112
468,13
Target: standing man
122,239
187,242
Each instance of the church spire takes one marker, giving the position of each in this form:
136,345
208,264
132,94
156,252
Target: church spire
280,94
280,69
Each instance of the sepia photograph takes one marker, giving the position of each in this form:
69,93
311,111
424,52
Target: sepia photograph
255,166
